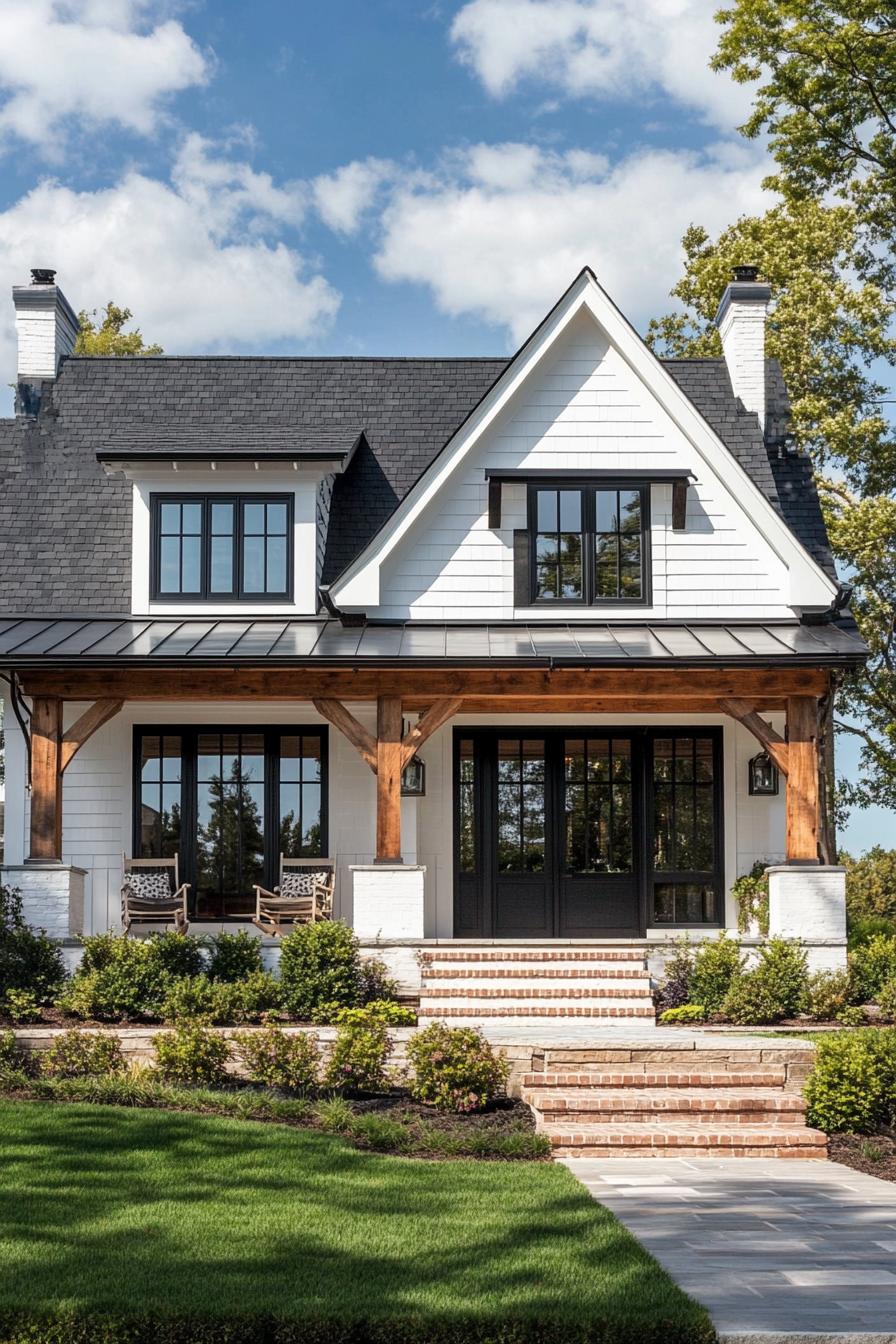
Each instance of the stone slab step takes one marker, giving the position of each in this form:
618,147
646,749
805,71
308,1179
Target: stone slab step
530,993
597,973
532,955
645,1076
530,1013
724,1106
622,1140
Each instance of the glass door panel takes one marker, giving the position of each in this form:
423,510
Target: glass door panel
523,855
230,822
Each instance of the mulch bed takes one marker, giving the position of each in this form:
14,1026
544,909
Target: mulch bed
506,1114
873,1154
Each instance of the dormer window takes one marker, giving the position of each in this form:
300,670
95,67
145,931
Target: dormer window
221,547
588,545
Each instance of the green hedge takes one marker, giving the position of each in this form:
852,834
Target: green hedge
852,1086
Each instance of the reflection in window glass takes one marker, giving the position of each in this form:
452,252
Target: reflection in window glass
221,546
521,806
230,819
160,797
684,813
466,785
300,796
618,546
559,545
598,802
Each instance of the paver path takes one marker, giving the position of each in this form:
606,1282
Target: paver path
777,1248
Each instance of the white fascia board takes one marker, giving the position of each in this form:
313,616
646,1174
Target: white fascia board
359,585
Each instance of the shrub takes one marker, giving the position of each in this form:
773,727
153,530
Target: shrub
234,956
21,1005
687,1012
319,964
375,983
852,1086
455,1068
29,960
13,1059
382,1010
82,1054
851,1015
827,994
199,999
751,893
871,966
774,990
119,979
191,1055
861,931
360,1051
276,1060
255,996
675,989
717,964
871,885
175,954
886,999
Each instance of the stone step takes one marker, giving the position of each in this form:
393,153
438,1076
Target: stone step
725,1106
474,1010
686,1140
498,955
598,972
645,1075
529,993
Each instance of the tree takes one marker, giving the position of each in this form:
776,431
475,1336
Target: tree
101,332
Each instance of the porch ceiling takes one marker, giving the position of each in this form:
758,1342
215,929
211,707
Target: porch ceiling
155,641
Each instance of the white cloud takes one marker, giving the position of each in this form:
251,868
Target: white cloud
98,62
342,197
601,48
196,258
502,229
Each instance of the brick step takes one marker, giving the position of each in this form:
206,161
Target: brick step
742,1106
471,1012
525,993
499,955
665,1055
626,1140
546,970
646,1075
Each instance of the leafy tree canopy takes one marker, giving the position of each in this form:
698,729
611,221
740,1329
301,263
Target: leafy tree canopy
101,332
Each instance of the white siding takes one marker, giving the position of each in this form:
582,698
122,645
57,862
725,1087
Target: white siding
584,409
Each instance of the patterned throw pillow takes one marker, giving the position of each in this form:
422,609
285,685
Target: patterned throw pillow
147,885
302,883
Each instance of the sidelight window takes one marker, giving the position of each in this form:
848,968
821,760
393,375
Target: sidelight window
686,848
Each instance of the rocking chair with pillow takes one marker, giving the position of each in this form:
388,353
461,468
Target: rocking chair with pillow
303,895
151,893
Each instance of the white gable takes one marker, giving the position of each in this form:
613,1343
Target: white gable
584,394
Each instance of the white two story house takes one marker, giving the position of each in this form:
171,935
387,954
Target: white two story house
536,649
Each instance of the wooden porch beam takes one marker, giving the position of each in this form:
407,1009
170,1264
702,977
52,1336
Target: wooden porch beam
388,779
439,712
430,682
73,739
773,742
46,780
336,713
591,704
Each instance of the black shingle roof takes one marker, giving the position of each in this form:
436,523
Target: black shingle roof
65,524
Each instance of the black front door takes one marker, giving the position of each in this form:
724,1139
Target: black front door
548,834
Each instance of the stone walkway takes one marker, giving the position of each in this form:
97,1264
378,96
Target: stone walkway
778,1249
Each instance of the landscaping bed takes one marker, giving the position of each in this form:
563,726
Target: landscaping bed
873,1154
122,1227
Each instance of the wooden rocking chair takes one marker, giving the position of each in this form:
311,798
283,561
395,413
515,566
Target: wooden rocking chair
303,895
151,893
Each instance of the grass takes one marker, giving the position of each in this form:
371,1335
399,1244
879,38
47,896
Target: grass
110,1218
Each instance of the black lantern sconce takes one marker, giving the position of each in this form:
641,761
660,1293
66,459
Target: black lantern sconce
413,779
764,776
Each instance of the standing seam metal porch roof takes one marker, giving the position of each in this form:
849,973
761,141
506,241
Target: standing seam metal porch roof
27,642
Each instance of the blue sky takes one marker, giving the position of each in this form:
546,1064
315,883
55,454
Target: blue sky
384,177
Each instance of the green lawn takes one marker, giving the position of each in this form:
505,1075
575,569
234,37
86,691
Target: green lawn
127,1214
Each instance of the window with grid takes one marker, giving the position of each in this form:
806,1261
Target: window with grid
597,785
230,548
588,546
685,830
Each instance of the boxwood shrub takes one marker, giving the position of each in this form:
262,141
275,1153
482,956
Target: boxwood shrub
319,964
852,1086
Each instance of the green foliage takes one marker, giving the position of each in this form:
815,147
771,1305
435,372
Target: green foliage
258,997
455,1069
101,332
675,990
380,1010
871,966
871,888
375,983
191,1055
358,1059
198,998
717,964
750,891
775,989
686,1012
13,1059
119,980
275,1059
827,995
852,1086
851,1015
176,954
886,999
319,964
234,956
29,960
82,1054
861,931
20,1006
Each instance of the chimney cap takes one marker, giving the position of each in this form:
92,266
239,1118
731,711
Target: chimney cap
40,275
749,274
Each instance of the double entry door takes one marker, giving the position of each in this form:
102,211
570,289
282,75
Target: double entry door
583,833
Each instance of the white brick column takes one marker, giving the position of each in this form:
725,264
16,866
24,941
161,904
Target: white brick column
52,896
808,902
387,900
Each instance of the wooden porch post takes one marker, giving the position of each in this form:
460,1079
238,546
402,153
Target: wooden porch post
388,779
46,780
802,778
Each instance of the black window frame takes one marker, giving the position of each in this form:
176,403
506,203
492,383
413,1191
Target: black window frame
189,735
714,877
239,499
588,490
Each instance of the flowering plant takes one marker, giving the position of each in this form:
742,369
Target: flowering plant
455,1068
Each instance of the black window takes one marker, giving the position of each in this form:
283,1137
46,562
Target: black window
589,545
229,802
687,857
227,547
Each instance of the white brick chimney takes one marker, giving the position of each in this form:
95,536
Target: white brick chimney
46,330
741,323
